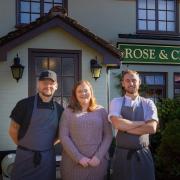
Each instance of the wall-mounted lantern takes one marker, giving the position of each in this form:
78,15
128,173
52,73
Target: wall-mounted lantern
95,68
17,69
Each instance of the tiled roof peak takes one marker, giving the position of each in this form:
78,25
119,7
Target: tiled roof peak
57,10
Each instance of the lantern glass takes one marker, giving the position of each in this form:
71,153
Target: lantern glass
17,69
95,69
96,73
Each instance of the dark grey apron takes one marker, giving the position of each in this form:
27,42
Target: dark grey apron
132,158
35,155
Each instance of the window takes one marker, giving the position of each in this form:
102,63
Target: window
177,85
153,85
29,10
158,16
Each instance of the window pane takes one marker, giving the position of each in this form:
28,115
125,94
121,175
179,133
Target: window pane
142,14
170,16
58,91
151,4
25,7
158,93
162,26
47,7
67,85
48,1
149,80
150,93
154,85
177,79
170,26
162,4
151,14
177,86
58,1
142,25
159,80
65,101
171,5
68,66
142,78
162,15
34,17
142,4
57,4
177,91
55,64
35,7
151,25
25,18
41,64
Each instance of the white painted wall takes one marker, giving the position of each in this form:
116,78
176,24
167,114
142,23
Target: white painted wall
106,18
11,91
7,16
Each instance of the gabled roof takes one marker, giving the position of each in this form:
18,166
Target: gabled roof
111,55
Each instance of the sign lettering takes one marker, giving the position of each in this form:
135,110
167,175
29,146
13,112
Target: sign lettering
150,54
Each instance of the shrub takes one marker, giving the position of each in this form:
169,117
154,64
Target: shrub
168,110
165,143
168,153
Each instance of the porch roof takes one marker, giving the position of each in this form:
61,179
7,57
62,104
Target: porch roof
111,55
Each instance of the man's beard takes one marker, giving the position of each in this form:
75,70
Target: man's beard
46,95
131,91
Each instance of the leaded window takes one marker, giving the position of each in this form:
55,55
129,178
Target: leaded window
29,10
158,16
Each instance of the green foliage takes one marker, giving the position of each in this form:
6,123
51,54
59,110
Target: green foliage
168,110
166,142
119,85
168,153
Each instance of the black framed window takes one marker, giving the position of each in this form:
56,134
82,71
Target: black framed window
29,10
153,85
157,16
177,85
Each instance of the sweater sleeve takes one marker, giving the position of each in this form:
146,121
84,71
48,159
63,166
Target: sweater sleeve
65,138
107,136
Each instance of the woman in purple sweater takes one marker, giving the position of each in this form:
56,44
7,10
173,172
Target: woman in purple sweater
86,135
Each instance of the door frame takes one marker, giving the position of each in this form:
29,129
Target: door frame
31,64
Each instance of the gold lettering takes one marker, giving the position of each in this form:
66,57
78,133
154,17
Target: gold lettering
128,53
152,54
136,52
145,54
175,55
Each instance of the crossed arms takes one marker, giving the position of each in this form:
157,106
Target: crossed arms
134,127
